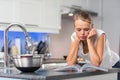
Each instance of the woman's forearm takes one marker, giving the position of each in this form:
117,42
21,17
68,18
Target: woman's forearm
73,53
94,57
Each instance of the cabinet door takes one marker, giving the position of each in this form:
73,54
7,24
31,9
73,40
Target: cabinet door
70,3
6,11
50,17
27,11
40,15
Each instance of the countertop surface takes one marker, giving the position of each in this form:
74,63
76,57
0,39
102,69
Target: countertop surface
43,74
49,74
54,60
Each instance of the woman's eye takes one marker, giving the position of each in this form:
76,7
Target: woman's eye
78,29
87,29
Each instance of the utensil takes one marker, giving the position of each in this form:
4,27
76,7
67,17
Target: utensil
64,57
27,63
41,48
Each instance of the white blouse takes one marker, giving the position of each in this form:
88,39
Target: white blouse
109,56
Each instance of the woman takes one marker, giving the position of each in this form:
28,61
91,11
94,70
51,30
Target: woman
90,43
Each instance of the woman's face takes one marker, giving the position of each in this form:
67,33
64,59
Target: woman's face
82,29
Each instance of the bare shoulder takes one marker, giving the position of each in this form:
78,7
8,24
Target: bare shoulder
101,39
102,36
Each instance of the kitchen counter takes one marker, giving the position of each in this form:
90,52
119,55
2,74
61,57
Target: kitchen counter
54,60
48,74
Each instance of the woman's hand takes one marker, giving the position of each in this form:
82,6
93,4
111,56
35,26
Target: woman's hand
92,33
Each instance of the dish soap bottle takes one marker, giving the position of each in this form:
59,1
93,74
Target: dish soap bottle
14,50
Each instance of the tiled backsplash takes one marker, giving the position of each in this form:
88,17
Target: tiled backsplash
12,35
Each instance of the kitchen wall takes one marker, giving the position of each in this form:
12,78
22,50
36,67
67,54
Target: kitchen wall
111,23
59,43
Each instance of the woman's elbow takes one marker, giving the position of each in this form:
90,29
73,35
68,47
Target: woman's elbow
96,63
69,62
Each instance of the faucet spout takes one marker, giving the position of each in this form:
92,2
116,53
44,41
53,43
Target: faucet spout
28,42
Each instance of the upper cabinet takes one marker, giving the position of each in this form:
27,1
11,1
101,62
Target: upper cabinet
93,6
41,15
50,17
6,11
27,11
37,15
89,5
73,2
67,5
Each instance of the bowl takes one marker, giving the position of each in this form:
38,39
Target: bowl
27,63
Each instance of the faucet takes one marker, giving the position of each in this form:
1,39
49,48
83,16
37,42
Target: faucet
28,42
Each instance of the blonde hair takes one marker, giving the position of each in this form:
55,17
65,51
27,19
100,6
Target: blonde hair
83,15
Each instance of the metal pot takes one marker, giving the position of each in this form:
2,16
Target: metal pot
27,63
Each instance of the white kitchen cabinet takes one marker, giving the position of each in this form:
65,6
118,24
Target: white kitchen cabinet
91,5
22,11
44,14
27,11
37,15
50,17
69,3
6,11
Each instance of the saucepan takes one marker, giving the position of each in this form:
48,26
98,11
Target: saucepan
27,63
